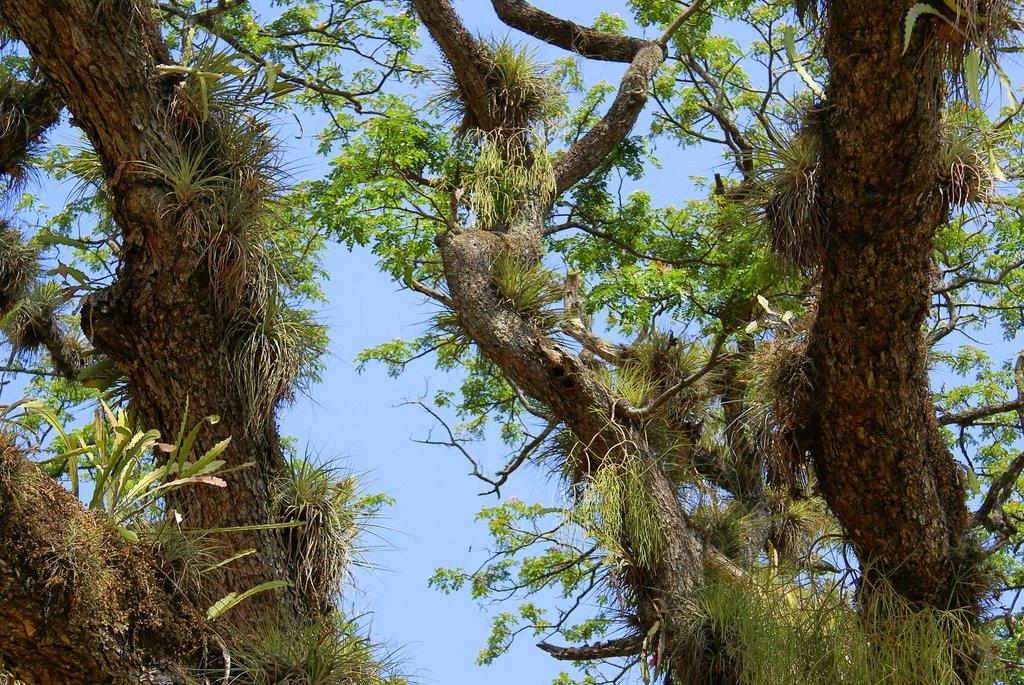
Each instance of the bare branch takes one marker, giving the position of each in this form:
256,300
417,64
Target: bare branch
203,17
971,415
1002,488
463,54
502,476
567,35
674,27
432,293
613,353
590,150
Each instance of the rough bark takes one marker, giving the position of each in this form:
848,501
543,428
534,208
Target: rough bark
463,54
567,35
80,605
590,150
157,320
881,462
569,388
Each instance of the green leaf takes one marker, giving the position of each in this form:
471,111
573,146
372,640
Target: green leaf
913,15
232,599
972,74
233,557
796,62
48,238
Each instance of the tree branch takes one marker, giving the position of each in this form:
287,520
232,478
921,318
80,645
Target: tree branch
27,110
1002,488
562,33
463,54
623,646
971,415
502,476
590,150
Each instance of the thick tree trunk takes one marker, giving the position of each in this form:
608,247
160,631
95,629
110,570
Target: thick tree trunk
81,605
157,320
880,459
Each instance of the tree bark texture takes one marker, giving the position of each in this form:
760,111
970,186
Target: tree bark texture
80,605
158,319
881,461
582,40
558,378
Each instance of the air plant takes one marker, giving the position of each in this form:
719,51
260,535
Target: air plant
272,652
328,503
27,109
33,318
19,265
522,90
779,391
787,196
967,166
530,290
781,634
968,24
270,352
510,160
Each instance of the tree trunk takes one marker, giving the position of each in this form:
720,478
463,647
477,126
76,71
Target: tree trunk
158,319
81,605
880,459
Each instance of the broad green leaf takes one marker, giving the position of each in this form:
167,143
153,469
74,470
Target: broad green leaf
797,62
913,15
233,599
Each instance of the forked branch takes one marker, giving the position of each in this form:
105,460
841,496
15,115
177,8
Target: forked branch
590,150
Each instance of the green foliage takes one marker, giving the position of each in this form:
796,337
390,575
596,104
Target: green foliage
311,654
786,635
333,515
528,289
622,514
233,599
19,266
272,349
127,486
788,197
506,170
536,554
